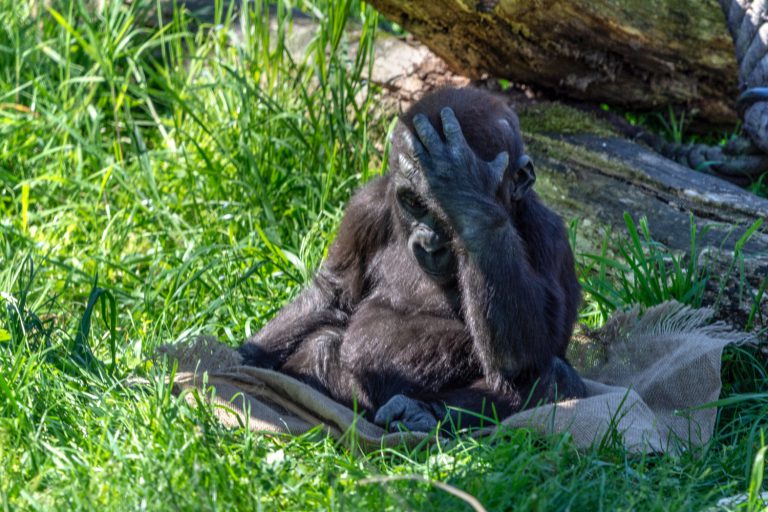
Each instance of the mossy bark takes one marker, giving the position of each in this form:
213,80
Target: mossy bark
638,54
596,179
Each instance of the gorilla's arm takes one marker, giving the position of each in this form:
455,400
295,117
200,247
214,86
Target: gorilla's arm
552,258
338,286
508,305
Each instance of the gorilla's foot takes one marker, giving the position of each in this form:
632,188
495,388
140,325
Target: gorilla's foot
404,413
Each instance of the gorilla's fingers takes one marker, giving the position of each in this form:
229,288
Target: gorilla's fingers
497,168
452,130
407,166
413,147
428,135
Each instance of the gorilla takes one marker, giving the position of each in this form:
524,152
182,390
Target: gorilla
449,294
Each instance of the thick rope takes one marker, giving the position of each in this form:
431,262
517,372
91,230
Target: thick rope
743,159
748,24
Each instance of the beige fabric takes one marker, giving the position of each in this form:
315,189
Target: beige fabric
645,374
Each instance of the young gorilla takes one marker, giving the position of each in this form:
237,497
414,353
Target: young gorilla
449,283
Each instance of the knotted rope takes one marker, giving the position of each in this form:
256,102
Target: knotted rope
743,159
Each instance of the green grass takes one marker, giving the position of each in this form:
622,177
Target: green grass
643,272
157,183
632,268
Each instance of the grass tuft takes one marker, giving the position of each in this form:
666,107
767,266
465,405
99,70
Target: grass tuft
636,269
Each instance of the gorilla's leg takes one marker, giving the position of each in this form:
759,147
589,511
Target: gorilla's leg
392,353
314,311
316,360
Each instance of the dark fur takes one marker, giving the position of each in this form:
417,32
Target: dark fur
492,330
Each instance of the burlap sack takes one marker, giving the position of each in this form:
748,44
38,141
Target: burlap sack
647,377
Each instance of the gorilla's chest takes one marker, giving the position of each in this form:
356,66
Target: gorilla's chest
395,277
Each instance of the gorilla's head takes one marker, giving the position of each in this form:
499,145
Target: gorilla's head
427,229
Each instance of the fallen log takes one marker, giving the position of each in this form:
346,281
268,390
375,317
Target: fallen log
630,53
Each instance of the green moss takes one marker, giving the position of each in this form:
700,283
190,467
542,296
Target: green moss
563,151
562,119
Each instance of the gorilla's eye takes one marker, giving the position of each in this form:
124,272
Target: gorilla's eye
412,203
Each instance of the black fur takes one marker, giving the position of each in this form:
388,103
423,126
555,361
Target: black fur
446,283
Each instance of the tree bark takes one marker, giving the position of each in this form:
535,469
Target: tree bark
636,54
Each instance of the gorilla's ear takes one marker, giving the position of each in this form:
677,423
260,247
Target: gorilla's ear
522,178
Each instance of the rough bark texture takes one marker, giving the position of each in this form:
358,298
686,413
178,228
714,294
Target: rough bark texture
599,178
640,54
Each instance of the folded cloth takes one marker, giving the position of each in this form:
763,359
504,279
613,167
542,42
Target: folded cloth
647,375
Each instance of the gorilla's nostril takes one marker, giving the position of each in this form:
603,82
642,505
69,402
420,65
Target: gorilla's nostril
439,252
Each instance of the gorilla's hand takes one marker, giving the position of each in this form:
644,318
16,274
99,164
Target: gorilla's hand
464,185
